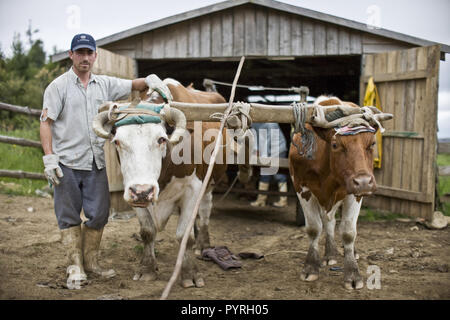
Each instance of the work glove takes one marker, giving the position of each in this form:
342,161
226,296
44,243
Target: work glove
154,83
52,170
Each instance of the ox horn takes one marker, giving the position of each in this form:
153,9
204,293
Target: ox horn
100,125
177,118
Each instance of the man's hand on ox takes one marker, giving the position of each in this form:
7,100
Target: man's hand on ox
52,170
154,83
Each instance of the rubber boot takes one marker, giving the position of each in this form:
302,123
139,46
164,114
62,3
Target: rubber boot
262,198
72,240
91,245
282,187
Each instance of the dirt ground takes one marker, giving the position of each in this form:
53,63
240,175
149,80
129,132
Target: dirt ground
414,264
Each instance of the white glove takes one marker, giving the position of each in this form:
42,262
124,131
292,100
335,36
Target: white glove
154,83
52,170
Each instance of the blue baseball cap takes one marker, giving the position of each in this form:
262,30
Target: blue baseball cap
83,40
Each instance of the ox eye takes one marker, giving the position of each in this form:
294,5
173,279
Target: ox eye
334,145
162,140
371,146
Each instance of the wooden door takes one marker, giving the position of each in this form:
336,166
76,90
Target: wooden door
407,82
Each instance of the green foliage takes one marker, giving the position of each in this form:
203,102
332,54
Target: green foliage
443,159
23,78
374,215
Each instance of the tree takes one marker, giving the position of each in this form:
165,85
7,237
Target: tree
24,77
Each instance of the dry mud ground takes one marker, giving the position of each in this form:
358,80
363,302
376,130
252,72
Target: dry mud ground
413,264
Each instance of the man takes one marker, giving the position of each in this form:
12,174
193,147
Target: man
271,143
74,159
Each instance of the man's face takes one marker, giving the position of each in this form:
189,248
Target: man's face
83,59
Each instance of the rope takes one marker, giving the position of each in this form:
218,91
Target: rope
238,109
308,142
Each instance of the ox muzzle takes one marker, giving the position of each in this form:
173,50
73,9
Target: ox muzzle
142,195
362,184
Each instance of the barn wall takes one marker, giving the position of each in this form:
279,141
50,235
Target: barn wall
251,31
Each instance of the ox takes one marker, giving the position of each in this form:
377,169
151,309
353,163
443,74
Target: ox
340,174
155,186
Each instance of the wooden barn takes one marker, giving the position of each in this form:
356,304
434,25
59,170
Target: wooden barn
289,46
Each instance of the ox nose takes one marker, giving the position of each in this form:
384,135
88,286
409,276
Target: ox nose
141,192
363,184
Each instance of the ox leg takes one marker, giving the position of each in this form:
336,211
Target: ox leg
149,227
313,224
350,212
190,276
202,223
329,224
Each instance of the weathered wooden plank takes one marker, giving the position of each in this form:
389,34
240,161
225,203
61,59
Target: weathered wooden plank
355,43
20,141
19,109
238,33
285,35
273,34
402,194
332,40
147,45
158,44
205,37
307,38
296,36
344,41
170,42
181,35
19,174
227,34
250,31
216,36
261,32
320,47
194,39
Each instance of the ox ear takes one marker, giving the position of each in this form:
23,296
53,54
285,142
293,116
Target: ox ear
323,133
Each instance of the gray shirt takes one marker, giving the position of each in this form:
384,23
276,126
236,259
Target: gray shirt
73,108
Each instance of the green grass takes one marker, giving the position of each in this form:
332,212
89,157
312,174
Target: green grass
444,182
371,215
443,159
14,157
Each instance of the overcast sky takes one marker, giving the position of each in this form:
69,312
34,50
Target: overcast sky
58,21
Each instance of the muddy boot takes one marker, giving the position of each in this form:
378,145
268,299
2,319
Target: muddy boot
91,245
71,239
261,199
282,187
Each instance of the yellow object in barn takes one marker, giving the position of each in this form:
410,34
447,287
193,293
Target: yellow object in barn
372,98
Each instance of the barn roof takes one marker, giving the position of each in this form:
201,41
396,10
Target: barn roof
327,18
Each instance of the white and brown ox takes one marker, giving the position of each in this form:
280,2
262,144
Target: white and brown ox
154,185
340,174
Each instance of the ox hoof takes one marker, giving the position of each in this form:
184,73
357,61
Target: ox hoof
150,276
198,252
309,277
329,262
189,283
356,256
352,285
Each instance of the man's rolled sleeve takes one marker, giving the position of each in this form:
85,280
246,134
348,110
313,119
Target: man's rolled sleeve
52,102
118,89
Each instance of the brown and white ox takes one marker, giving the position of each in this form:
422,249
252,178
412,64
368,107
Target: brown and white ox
340,174
156,187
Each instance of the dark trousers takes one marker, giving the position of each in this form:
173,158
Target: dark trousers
80,189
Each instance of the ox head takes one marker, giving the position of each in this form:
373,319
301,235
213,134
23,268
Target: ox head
351,147
142,143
